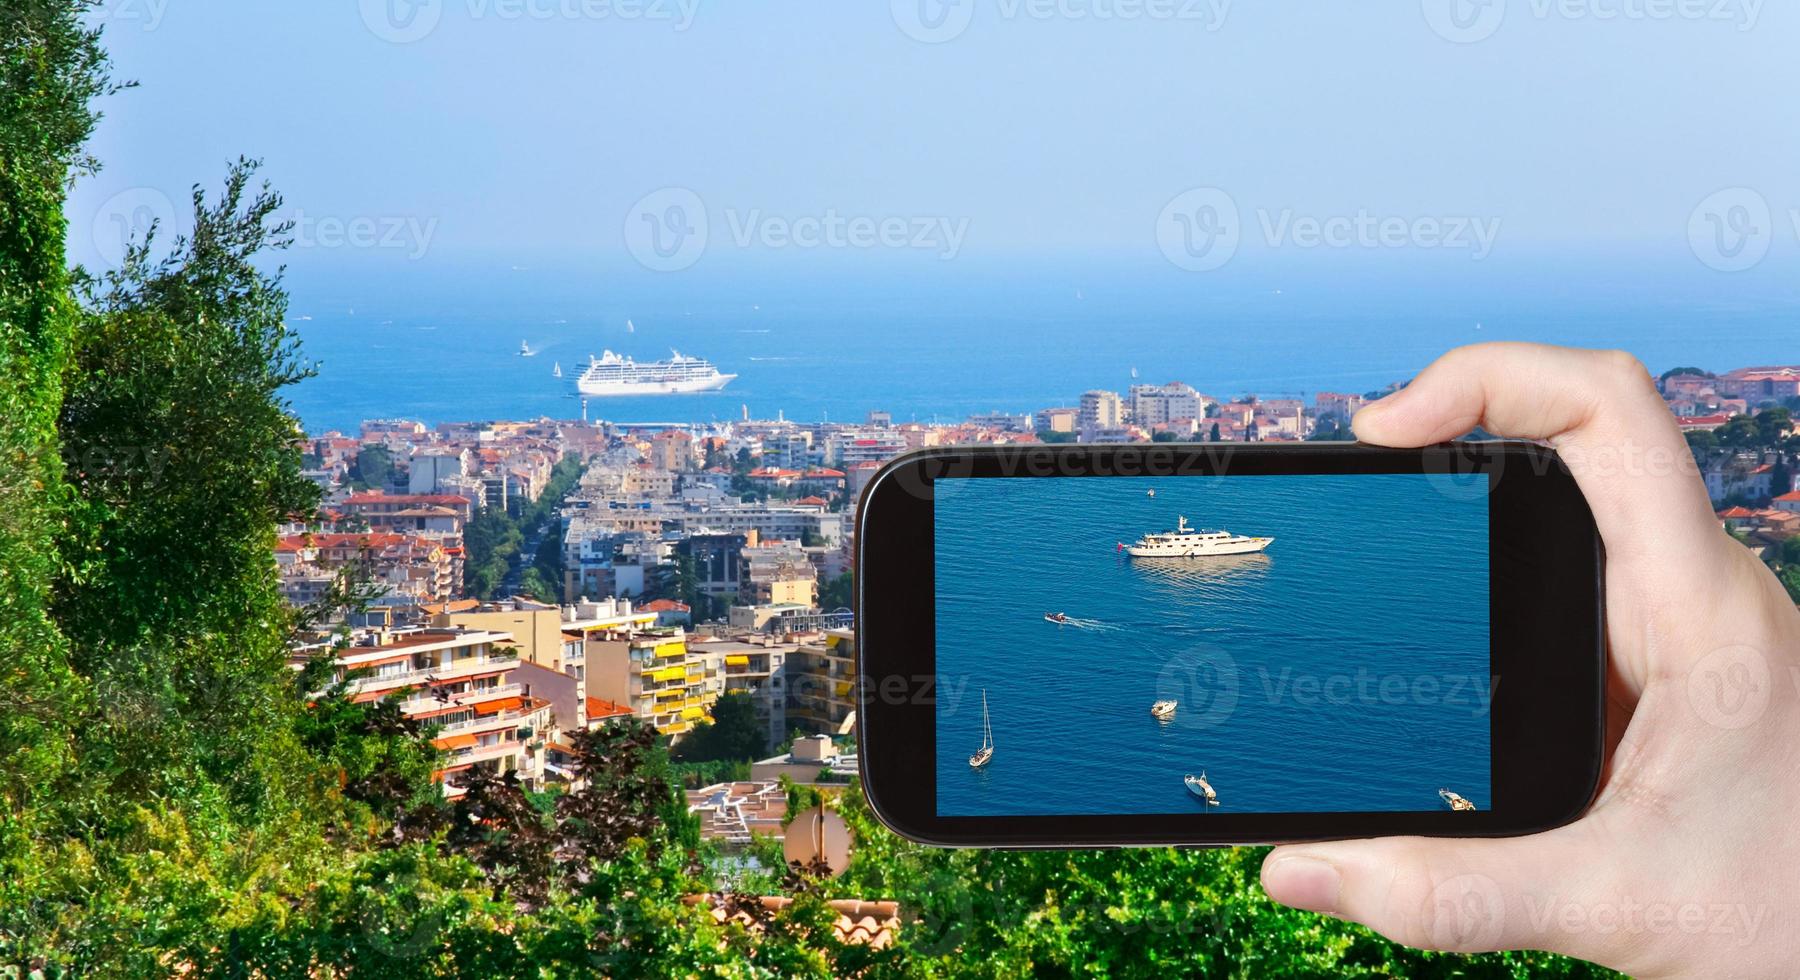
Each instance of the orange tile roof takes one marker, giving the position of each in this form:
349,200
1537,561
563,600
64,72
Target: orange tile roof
600,708
871,924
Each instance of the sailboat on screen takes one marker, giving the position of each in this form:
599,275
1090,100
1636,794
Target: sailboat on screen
986,752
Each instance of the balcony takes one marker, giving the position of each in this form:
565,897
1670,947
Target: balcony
496,722
430,702
419,678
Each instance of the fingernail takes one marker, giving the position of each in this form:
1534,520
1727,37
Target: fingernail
1304,883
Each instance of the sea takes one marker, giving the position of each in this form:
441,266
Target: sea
931,344
1343,669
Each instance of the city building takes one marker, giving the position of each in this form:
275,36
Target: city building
1056,420
810,757
755,669
1152,405
1101,411
653,673
461,681
822,684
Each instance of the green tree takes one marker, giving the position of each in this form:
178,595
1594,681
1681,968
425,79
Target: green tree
839,592
373,469
733,734
51,70
1331,430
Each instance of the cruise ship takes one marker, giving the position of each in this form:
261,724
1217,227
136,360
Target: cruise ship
1186,542
617,374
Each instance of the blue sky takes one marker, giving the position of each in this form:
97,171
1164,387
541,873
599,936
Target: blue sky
523,131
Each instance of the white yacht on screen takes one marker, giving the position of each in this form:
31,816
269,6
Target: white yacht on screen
1187,542
617,374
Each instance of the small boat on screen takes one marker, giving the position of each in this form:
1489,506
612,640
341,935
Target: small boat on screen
1456,801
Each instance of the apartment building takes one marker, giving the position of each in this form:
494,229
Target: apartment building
822,684
655,674
463,681
758,670
1100,411
778,572
1152,405
373,505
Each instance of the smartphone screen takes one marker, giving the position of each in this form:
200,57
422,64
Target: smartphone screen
1212,644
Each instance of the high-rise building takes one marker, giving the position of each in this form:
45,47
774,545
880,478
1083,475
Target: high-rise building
1151,405
1099,412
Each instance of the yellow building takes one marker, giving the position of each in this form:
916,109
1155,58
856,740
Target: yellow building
653,673
822,684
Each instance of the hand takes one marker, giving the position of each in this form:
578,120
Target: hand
1688,861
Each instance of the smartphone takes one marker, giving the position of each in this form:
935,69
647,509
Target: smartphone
1227,643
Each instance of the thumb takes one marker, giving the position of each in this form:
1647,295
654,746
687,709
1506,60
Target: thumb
1459,895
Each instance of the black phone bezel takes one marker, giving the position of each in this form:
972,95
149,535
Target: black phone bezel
1546,639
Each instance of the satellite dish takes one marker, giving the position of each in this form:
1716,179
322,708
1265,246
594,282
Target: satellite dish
818,835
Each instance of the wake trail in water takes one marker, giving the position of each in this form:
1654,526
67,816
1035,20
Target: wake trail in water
1091,624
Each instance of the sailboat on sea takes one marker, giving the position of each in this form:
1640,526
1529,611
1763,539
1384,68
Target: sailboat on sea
986,752
556,370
